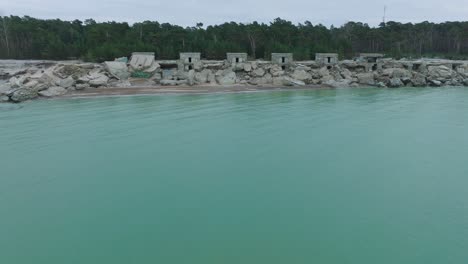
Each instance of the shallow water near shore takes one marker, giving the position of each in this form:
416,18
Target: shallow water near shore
317,176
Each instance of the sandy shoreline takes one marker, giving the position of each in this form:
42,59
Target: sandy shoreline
155,90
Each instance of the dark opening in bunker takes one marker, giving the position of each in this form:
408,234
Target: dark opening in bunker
329,59
374,67
237,60
283,59
283,67
190,59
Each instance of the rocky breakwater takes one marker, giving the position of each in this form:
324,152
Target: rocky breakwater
49,79
385,74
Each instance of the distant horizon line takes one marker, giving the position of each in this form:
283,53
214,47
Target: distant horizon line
205,25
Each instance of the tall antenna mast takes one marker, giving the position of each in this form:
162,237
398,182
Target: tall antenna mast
384,14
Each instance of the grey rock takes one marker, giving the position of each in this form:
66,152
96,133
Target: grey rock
419,80
395,83
294,82
226,78
53,91
346,74
17,81
212,78
5,89
276,71
101,80
440,72
82,86
344,83
191,77
436,83
202,77
366,78
120,84
397,73
67,82
4,98
117,69
21,95
301,75
381,85
259,72
64,71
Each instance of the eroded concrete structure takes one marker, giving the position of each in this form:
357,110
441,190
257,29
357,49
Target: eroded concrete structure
141,60
189,59
236,57
326,58
282,59
370,57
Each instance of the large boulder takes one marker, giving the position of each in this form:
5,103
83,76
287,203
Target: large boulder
17,81
4,98
397,73
64,71
293,82
82,86
346,74
276,71
5,89
366,78
226,77
247,67
191,77
23,94
301,75
436,83
67,82
53,91
287,81
343,83
117,69
419,80
202,77
259,72
395,83
465,82
440,72
97,80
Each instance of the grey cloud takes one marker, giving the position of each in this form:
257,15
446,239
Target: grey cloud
187,13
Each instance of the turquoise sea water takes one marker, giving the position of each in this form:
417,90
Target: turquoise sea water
322,176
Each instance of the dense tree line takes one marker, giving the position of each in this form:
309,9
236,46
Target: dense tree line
30,38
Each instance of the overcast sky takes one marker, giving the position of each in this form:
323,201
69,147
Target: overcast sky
209,12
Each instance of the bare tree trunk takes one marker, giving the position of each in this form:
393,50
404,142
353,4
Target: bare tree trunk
253,46
141,32
5,33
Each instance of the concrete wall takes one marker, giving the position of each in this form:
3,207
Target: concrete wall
326,58
282,58
141,60
370,57
236,57
190,57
